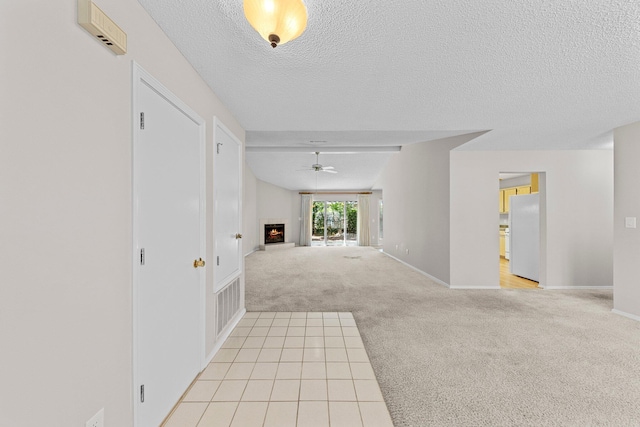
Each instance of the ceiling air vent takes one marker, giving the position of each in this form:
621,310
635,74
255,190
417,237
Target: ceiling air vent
312,143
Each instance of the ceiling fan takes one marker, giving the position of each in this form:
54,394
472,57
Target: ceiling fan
317,167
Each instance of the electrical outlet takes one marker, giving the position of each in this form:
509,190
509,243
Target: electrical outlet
97,420
407,251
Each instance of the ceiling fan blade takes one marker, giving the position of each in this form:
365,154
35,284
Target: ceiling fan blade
328,171
328,167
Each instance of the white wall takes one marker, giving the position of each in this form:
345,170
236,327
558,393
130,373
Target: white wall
65,186
579,204
415,187
626,289
374,216
250,213
278,202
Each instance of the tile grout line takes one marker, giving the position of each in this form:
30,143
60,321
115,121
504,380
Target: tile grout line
313,340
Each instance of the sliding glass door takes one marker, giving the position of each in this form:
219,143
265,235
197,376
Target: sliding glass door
334,223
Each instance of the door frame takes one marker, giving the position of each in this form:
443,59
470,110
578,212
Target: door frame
542,255
218,126
141,77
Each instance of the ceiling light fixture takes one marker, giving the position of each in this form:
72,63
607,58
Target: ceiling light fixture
277,21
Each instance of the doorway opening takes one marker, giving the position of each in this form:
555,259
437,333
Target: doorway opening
521,225
334,223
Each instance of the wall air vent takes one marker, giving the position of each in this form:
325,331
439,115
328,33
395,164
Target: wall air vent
96,22
228,300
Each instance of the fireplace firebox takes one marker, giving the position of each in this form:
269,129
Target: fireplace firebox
273,233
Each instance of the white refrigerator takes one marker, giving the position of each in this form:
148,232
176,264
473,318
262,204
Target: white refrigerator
524,232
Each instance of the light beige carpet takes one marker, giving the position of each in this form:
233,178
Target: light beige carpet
466,358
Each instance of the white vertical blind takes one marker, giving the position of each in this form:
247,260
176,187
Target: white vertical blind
364,235
306,207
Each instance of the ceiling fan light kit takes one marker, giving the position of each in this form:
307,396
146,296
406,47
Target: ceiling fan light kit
317,167
277,21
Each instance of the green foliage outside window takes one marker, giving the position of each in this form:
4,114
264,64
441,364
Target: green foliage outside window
335,223
318,218
352,218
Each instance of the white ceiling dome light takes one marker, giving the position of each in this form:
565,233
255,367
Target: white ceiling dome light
277,21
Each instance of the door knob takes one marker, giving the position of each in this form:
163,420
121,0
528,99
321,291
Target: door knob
198,263
238,236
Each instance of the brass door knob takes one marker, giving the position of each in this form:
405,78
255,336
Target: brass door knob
238,236
198,263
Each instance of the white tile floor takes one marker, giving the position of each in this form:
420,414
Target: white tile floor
287,369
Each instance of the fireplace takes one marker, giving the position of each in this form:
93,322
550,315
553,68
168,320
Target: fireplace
273,233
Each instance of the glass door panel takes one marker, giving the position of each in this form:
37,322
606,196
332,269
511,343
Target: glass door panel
317,224
335,223
351,217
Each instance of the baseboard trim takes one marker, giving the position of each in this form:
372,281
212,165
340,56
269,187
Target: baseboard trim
254,250
483,288
223,336
577,288
277,246
435,279
627,315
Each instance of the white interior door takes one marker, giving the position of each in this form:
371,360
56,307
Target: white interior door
228,206
168,227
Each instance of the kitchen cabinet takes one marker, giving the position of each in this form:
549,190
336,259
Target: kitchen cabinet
508,192
535,183
505,193
502,244
503,202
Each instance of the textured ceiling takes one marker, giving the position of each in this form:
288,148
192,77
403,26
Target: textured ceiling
538,74
343,138
355,171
